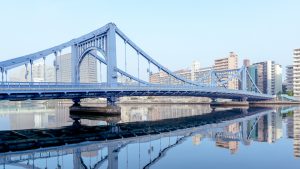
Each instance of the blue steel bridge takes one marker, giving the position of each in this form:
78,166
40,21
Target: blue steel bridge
102,45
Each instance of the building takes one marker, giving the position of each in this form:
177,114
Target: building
203,75
296,73
189,74
246,62
195,68
230,62
260,77
277,79
63,64
269,77
88,69
289,78
253,72
37,74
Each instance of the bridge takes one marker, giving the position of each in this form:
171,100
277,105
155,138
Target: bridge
102,45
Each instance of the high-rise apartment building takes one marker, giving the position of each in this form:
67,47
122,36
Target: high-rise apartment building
37,74
296,73
246,62
277,79
230,62
195,68
63,65
88,69
189,74
269,79
289,77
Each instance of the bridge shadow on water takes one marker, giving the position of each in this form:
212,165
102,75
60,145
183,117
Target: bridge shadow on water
19,146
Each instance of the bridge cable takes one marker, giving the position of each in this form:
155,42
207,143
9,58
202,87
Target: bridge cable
149,69
6,75
26,72
127,156
46,162
61,67
139,153
55,66
31,78
138,66
125,53
44,58
62,161
100,73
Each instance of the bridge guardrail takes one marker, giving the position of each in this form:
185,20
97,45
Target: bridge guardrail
45,86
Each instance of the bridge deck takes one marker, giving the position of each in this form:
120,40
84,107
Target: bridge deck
43,91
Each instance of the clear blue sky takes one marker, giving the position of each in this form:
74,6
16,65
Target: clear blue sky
169,30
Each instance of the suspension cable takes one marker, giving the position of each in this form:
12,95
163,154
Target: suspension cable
149,69
100,73
139,153
127,156
125,52
138,66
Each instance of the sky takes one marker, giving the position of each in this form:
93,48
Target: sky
173,32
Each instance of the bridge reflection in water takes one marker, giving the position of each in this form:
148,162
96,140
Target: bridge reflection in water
261,125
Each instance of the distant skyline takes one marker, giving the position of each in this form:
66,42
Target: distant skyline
181,31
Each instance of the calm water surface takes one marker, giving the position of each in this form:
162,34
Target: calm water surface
268,139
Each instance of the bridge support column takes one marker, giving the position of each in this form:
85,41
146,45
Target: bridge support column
111,56
2,75
31,77
76,102
44,58
244,99
5,75
74,58
111,100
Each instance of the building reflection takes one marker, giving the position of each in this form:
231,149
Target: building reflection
52,114
197,139
296,133
231,145
267,128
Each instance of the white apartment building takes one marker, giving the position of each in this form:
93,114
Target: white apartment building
296,73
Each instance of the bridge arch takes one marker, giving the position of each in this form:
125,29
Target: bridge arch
88,52
90,49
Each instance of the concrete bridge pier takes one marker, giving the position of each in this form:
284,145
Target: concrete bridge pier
76,101
111,100
233,103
